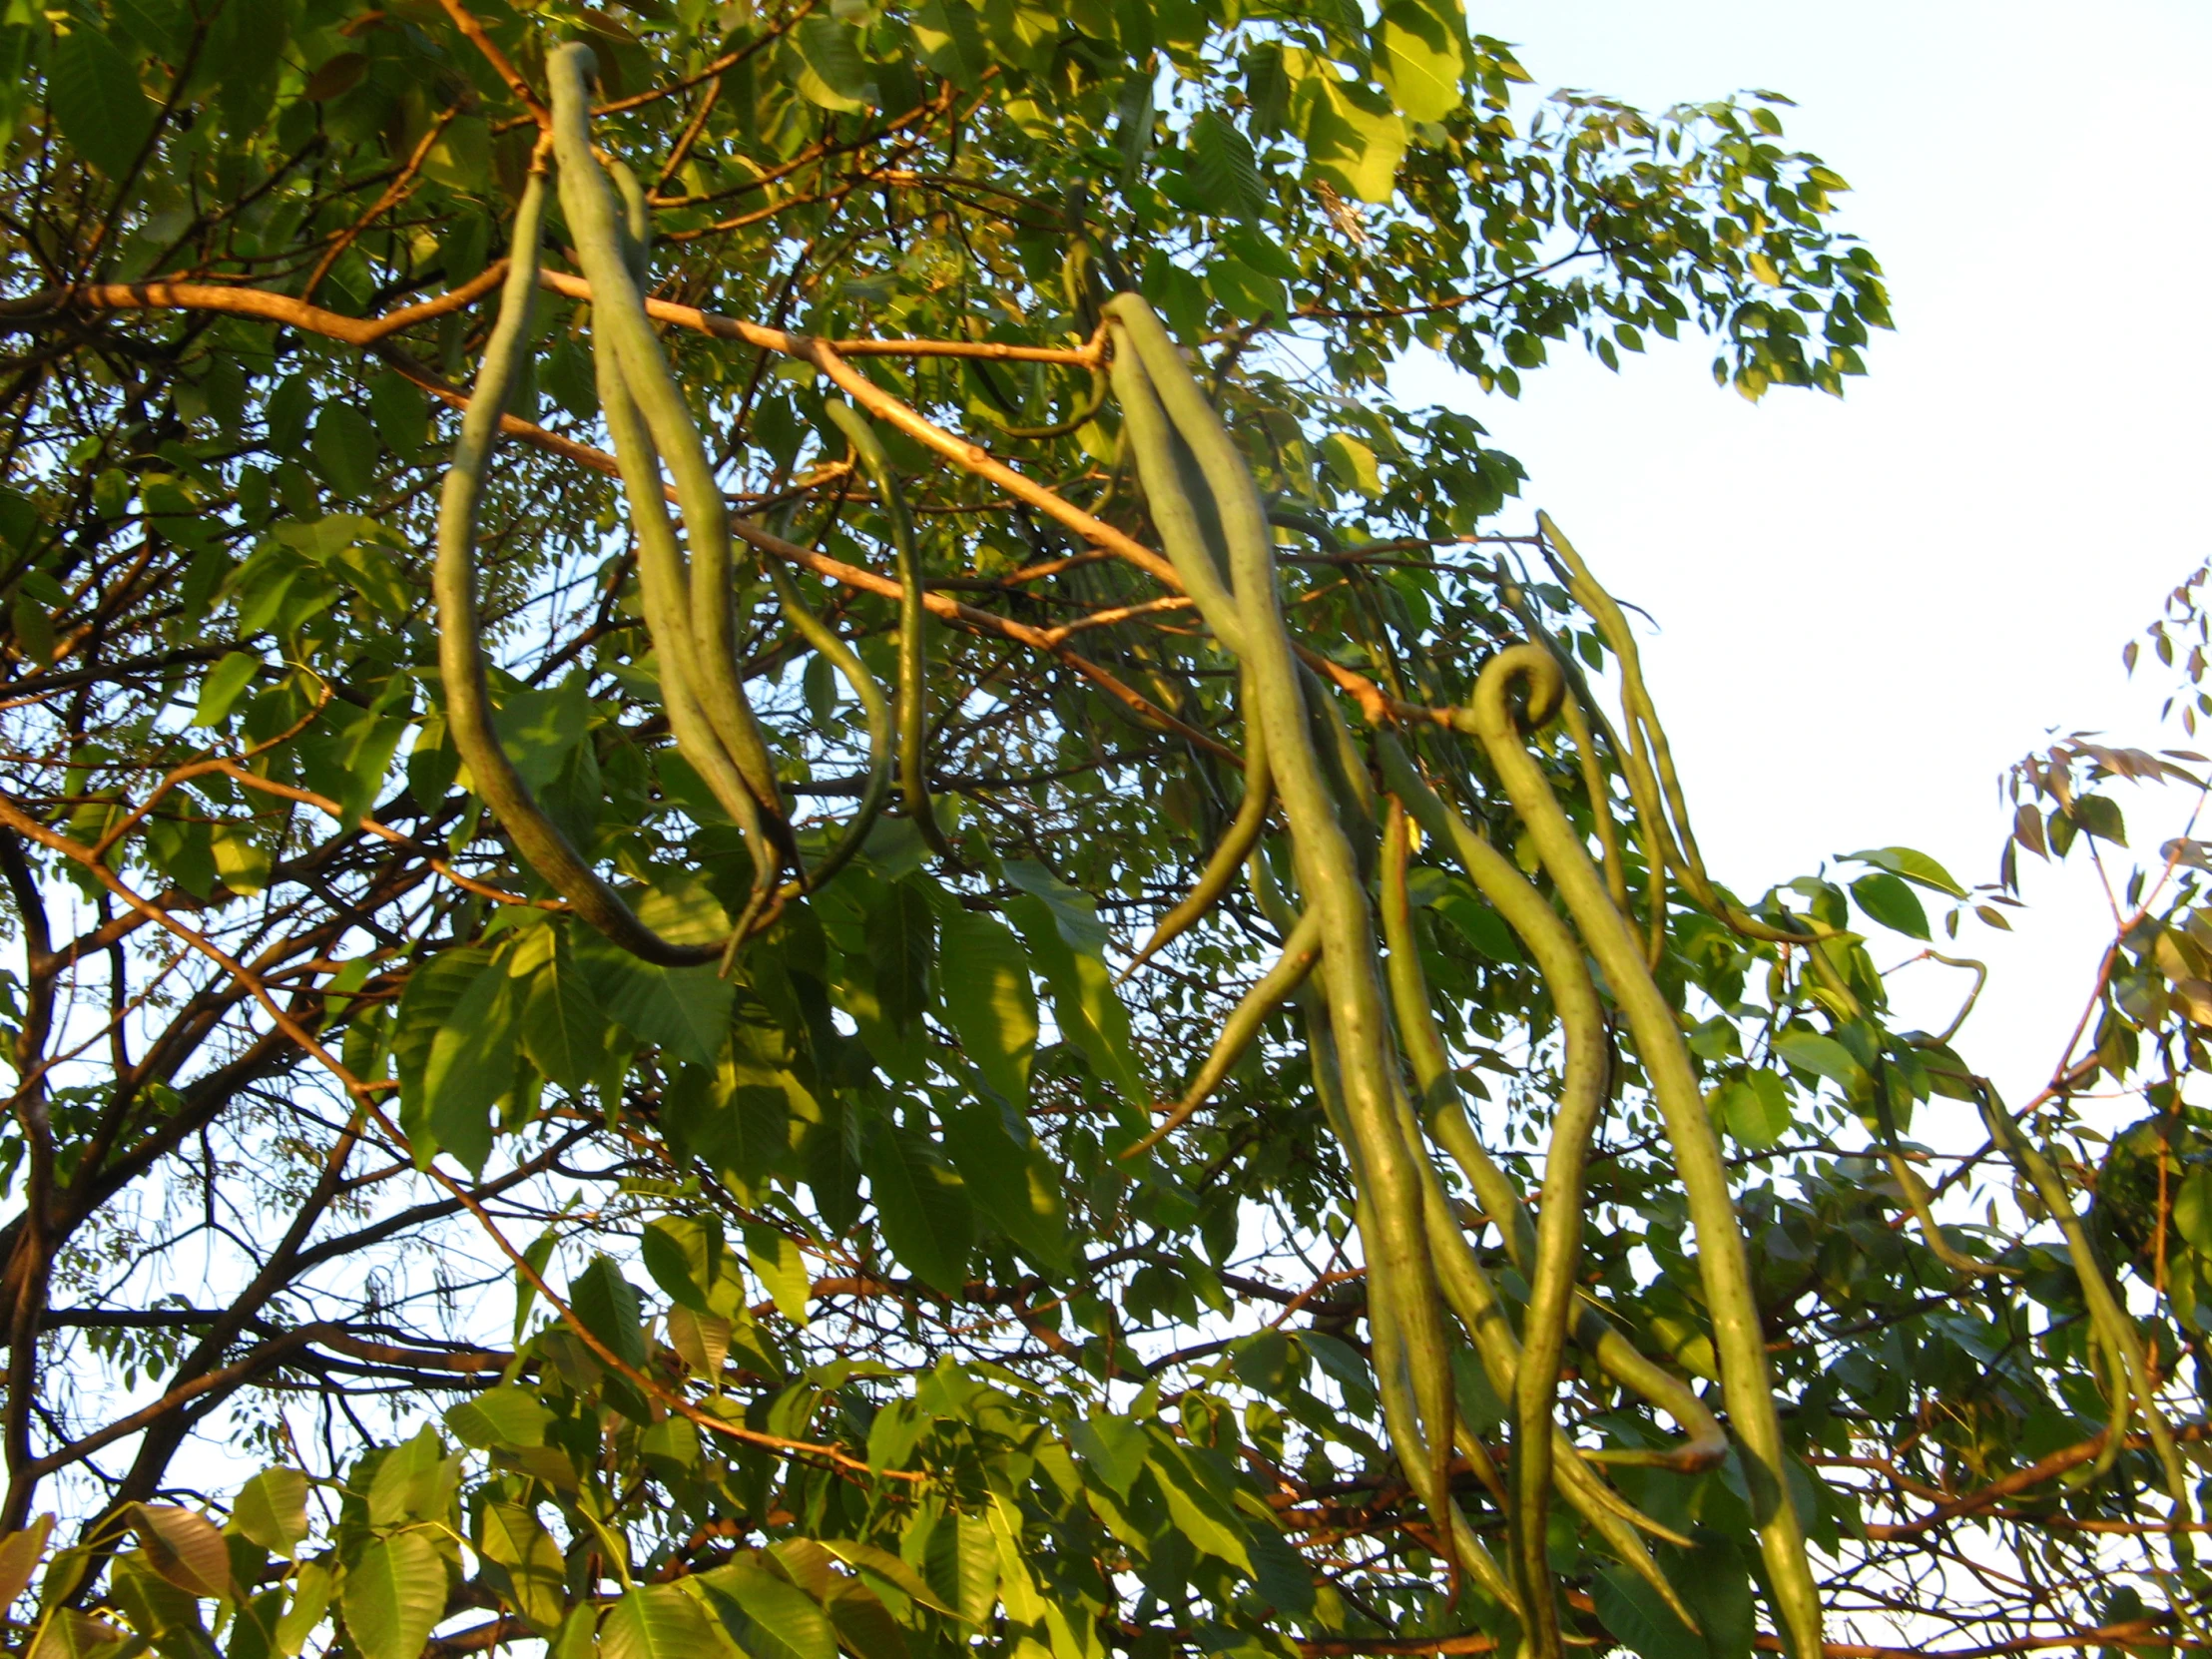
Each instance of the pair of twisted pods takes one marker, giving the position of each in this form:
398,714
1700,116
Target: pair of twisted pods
688,603
1370,1025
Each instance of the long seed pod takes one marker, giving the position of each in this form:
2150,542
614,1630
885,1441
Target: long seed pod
914,662
2113,1325
874,708
1220,873
1402,1279
1300,952
1526,912
618,306
460,647
1724,1267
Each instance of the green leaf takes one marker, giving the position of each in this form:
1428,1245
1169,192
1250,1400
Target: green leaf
684,1256
828,67
777,1263
1354,138
1066,945
865,1628
2099,815
770,1617
1755,1108
872,1559
607,1306
393,1595
1013,1182
272,1509
184,1547
655,1621
950,43
471,1067
345,450
20,1553
1645,1624
1421,60
1913,866
1116,1447
70,1634
924,1207
1353,464
223,686
1246,294
434,990
540,728
901,942
94,92
1890,902
684,1010
1822,1057
989,999
502,1416
1222,168
564,1030
1199,1515
513,1538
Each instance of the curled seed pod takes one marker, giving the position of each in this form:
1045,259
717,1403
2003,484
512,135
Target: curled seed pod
1236,846
460,647
914,662
1390,1169
1721,1253
589,202
1300,952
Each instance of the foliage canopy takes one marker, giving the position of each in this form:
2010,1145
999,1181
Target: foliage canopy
603,1043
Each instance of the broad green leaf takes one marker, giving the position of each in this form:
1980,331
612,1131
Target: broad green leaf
434,990
684,1256
345,450
826,65
1222,168
1890,901
1246,294
2100,815
539,728
950,43
1755,1108
97,100
1913,866
1645,1624
184,1547
702,1341
607,1303
392,1595
564,1030
70,1634
1203,1518
20,1553
471,1067
874,1558
989,999
153,1607
924,1207
1084,1003
503,1417
1354,138
902,942
1116,1447
1014,1184
1822,1057
272,1509
776,1262
767,1616
1353,464
219,692
655,1621
684,1010
1421,60
864,1626
310,1600
514,1539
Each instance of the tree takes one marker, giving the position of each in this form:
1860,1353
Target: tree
456,854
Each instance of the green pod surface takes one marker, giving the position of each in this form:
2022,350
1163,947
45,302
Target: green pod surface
1724,1268
460,648
913,617
1328,876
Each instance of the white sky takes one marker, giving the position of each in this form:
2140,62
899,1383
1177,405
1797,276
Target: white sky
1870,608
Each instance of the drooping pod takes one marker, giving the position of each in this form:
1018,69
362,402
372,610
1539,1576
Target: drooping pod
913,616
460,648
1723,1264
